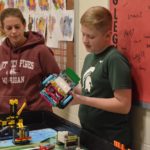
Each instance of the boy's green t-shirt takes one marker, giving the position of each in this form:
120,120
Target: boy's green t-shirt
101,75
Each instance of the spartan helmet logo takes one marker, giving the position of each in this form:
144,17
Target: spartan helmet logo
87,81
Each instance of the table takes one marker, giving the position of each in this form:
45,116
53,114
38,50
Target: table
38,120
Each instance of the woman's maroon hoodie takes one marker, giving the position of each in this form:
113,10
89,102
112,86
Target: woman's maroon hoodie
22,70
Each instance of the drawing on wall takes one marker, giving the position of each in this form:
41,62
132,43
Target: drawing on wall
31,5
53,32
41,25
67,25
44,4
10,3
51,25
20,4
59,4
2,5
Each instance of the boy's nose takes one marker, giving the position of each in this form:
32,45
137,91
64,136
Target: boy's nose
85,39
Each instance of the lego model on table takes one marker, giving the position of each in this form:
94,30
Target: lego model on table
57,88
13,125
70,140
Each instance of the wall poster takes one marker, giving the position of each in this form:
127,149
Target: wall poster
131,34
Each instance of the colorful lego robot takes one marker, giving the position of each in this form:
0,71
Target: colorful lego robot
13,125
57,88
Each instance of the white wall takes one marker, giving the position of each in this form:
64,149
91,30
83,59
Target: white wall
140,117
141,128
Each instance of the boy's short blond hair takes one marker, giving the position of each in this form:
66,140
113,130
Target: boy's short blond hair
97,17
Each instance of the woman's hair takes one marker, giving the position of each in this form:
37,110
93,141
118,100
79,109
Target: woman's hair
15,12
97,17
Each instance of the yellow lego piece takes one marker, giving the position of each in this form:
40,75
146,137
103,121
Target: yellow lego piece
13,101
20,123
22,107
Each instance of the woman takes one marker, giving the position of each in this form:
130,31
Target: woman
24,61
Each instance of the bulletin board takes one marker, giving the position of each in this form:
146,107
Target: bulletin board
131,34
